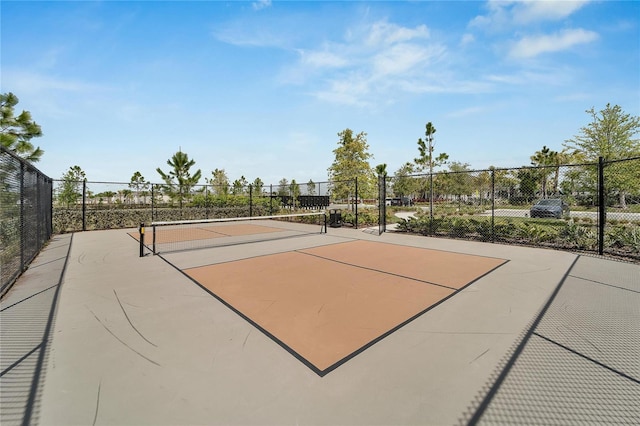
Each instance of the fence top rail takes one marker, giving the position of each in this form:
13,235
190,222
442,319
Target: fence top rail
199,185
620,160
23,161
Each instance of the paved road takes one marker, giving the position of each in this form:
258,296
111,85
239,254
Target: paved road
591,215
525,213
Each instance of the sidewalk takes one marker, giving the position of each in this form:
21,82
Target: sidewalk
27,315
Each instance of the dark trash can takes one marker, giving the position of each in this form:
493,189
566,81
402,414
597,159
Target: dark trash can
335,218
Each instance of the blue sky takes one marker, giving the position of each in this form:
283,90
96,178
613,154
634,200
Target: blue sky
261,89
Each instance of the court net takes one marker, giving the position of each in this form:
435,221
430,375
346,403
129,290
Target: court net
163,237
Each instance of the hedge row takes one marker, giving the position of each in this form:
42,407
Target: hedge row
620,239
70,220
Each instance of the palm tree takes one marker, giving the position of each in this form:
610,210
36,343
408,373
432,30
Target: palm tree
545,158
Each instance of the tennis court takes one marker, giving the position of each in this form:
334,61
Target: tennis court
324,302
328,328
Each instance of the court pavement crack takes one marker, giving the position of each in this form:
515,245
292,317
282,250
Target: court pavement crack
95,416
120,340
246,338
128,319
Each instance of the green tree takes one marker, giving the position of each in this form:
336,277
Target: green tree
16,132
125,196
70,191
482,182
283,187
425,159
219,181
179,181
529,179
140,187
458,181
381,169
294,190
105,196
351,162
256,187
506,183
610,135
311,187
239,186
404,184
546,159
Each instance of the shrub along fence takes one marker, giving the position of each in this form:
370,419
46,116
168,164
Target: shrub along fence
84,205
592,207
25,215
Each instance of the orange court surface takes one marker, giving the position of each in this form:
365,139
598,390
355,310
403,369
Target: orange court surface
326,304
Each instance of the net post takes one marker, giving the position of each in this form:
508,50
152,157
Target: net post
141,230
325,222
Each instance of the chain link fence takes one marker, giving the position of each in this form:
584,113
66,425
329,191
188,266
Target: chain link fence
25,215
86,205
592,207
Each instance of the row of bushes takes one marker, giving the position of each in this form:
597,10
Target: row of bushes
70,220
620,239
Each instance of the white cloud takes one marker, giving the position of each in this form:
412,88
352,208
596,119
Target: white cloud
400,59
31,82
531,46
352,90
536,10
544,76
467,39
385,34
323,59
373,64
505,14
261,4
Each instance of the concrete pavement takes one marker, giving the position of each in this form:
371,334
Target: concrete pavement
136,342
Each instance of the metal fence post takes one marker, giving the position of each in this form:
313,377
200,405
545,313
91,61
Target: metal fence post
22,224
250,200
356,201
382,204
602,216
493,205
38,208
50,230
153,200
431,203
84,205
206,202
